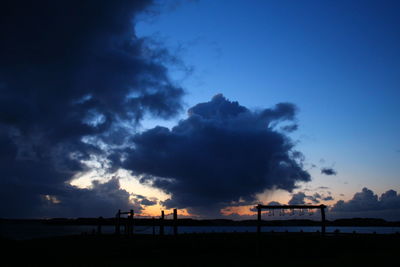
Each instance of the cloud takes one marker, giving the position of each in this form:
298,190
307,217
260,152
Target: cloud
315,198
274,203
271,203
73,78
328,198
366,200
297,199
220,153
300,198
147,202
328,171
142,200
322,188
101,199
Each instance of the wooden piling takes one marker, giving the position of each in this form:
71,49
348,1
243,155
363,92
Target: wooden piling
130,223
162,223
258,219
175,222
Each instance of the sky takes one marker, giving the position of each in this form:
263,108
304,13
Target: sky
206,106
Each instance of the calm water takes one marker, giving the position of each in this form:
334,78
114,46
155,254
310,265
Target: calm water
38,230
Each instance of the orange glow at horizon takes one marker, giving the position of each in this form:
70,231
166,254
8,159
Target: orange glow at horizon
240,210
155,211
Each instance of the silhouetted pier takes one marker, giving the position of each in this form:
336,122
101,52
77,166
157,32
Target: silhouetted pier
260,207
129,226
129,222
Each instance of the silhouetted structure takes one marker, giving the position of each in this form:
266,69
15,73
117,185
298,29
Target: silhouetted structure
292,208
162,223
175,222
129,225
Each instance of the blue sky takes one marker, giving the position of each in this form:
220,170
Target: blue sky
338,61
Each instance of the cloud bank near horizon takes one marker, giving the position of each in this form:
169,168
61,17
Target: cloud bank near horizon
366,200
367,204
364,204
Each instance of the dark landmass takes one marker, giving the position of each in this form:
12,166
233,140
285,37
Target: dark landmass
217,222
218,249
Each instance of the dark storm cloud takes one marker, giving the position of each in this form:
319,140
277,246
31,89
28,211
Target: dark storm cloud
221,153
328,171
71,70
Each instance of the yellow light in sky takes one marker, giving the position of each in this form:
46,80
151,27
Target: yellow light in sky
132,185
129,183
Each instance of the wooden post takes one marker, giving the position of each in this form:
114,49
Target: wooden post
99,224
130,223
162,223
258,219
259,230
117,222
323,222
175,222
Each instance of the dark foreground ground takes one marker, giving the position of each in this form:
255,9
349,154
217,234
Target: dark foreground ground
233,249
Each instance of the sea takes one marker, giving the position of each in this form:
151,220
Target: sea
22,231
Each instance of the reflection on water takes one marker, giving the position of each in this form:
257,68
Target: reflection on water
39,230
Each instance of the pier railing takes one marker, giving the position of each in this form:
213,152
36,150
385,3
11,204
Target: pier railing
291,208
128,224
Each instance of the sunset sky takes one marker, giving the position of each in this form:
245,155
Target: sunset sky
206,106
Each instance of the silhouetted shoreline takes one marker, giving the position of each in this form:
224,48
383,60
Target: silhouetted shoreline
216,222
